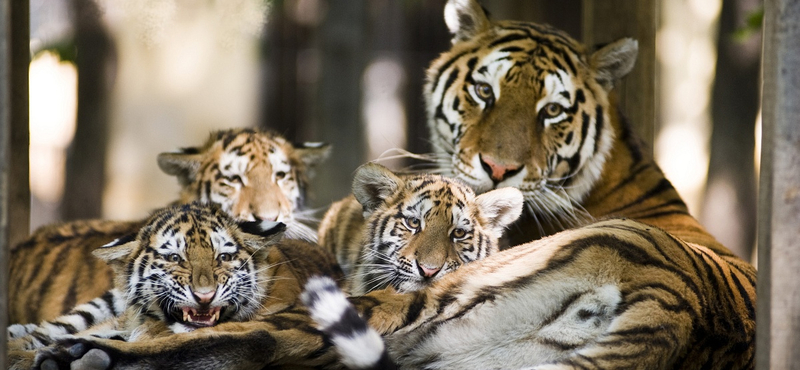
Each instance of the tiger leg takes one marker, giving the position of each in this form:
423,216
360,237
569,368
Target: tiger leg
99,310
284,339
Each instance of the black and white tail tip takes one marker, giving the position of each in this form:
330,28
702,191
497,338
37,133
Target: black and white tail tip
358,345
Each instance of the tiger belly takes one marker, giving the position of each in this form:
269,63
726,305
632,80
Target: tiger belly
537,324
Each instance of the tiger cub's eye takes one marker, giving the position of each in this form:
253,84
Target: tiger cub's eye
412,222
552,110
225,257
484,91
459,233
174,257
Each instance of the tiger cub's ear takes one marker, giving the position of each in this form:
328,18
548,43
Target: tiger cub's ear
117,252
183,164
500,207
465,19
265,232
614,61
373,184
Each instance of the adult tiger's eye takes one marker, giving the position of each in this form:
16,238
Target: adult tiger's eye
412,222
552,110
484,91
174,257
280,175
459,233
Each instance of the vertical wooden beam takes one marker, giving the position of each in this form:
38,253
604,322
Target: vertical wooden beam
342,39
14,191
610,20
778,329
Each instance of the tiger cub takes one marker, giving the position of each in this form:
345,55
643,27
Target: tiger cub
250,174
406,231
192,266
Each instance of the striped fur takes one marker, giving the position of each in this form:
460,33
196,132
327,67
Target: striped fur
405,232
358,345
191,266
524,105
249,174
615,294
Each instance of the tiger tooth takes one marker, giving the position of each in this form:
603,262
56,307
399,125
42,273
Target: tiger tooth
216,315
186,316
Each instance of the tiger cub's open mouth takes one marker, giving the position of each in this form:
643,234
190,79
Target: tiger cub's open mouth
201,317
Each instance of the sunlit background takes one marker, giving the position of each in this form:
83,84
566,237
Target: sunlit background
180,69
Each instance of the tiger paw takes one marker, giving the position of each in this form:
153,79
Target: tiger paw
75,353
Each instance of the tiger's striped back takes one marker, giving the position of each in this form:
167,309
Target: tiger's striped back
250,174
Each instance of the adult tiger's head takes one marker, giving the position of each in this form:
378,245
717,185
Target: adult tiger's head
523,105
192,266
421,227
250,174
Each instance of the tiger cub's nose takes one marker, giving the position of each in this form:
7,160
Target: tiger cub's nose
498,172
204,297
426,271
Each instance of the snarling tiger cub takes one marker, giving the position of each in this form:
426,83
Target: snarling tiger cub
191,267
406,231
250,174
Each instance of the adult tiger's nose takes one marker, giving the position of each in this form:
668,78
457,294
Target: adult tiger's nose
497,171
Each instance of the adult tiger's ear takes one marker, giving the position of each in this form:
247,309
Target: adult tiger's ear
373,184
500,207
117,253
614,61
465,19
313,153
267,232
184,164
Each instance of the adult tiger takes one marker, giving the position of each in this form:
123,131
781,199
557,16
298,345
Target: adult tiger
524,105
406,231
248,173
191,266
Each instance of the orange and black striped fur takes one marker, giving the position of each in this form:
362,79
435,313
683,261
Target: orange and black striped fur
516,104
249,174
190,268
407,231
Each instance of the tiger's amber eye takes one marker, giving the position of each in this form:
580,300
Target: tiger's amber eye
552,110
459,233
484,91
412,222
174,257
224,257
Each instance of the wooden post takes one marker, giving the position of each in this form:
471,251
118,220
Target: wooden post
342,38
14,191
778,317
610,20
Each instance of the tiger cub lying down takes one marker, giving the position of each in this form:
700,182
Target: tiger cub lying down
190,267
406,231
249,174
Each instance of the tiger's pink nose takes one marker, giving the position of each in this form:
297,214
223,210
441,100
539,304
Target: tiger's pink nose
498,172
204,297
427,271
